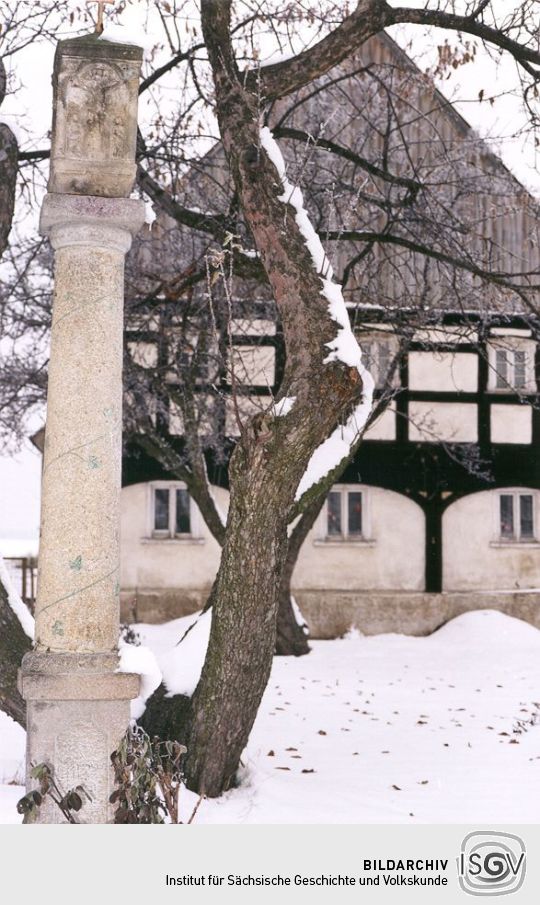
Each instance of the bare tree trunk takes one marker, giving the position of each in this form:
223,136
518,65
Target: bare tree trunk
274,451
13,645
169,717
291,638
243,627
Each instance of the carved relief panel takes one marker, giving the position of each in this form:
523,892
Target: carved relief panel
95,118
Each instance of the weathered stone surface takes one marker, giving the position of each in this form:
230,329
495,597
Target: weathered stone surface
76,738
77,713
77,606
95,117
57,664
77,704
106,687
91,220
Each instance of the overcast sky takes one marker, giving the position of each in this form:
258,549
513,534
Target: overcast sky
498,123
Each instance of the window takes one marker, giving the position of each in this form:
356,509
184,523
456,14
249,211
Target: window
345,516
171,511
516,516
377,358
513,370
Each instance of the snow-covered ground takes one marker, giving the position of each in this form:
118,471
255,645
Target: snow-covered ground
389,729
11,768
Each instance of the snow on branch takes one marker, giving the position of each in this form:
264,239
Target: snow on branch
15,602
343,348
335,448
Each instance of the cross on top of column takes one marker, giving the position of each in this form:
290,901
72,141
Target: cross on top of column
100,11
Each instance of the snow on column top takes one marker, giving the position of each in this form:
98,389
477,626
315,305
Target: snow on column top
119,34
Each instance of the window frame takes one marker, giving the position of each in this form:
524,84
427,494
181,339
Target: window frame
516,346
516,537
170,534
371,344
345,537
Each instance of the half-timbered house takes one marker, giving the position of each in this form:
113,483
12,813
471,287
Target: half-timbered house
439,511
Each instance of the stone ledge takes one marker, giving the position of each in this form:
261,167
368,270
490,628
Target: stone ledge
115,686
46,676
65,662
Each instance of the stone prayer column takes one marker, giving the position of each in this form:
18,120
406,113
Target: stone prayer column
78,705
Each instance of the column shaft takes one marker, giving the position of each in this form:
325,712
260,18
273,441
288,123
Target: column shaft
78,579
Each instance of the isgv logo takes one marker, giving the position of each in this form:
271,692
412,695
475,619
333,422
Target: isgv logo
491,864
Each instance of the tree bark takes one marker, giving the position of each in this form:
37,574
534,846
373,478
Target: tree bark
273,452
13,645
291,638
239,658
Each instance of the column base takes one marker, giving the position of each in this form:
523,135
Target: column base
77,713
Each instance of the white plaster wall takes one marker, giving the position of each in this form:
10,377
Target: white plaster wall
384,428
206,423
511,424
244,407
451,422
144,354
455,333
392,559
443,372
253,364
148,562
474,558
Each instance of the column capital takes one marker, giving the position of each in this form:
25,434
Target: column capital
91,220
